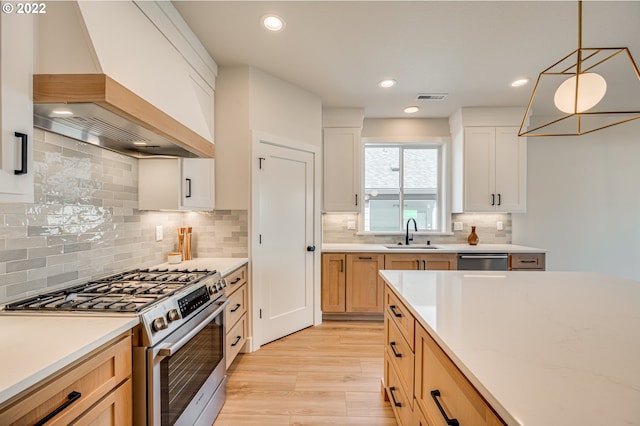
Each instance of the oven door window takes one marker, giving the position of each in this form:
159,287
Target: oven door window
184,373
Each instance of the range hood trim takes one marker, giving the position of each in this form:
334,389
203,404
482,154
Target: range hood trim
105,92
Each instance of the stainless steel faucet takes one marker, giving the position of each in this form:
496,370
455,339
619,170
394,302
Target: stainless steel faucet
415,226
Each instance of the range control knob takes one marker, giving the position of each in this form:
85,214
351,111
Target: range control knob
223,283
173,315
159,324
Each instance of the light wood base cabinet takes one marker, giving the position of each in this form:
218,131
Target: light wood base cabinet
527,262
364,287
439,385
333,282
421,261
96,389
237,324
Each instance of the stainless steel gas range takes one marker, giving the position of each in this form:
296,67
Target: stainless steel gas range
179,368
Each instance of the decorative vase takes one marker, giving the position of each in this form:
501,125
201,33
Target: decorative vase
473,239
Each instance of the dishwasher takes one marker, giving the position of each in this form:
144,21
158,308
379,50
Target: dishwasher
483,261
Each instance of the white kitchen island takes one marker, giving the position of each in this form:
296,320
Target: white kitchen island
542,348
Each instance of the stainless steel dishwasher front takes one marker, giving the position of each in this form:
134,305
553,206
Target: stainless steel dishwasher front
483,261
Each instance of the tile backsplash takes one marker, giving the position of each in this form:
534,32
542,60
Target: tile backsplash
334,230
84,222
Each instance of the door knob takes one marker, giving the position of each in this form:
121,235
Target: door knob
311,248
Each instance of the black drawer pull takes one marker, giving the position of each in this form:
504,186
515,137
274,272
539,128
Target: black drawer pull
23,153
528,261
188,188
238,338
393,349
235,308
235,281
393,397
450,422
341,265
365,258
393,311
418,265
71,398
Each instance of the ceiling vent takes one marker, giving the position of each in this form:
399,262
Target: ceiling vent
431,96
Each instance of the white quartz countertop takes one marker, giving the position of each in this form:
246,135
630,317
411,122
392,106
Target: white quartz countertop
440,248
543,348
32,347
225,265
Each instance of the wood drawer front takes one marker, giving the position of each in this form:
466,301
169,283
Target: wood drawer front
397,395
93,378
236,279
399,353
113,410
460,400
526,261
398,312
235,339
237,306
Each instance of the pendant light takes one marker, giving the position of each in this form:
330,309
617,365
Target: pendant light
570,97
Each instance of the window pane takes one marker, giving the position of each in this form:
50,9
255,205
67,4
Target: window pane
382,210
382,167
421,187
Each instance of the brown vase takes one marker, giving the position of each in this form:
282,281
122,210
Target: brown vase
473,239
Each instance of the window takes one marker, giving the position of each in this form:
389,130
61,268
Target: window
402,181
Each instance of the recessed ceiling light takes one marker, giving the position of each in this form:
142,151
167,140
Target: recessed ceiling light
520,82
387,83
273,23
411,109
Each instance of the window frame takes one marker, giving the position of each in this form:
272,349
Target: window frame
443,197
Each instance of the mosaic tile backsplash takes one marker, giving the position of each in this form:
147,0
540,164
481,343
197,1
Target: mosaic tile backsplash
334,230
84,222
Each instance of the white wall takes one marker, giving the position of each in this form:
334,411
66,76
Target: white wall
584,201
405,127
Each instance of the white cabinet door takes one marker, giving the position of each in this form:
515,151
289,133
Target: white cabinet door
176,184
341,157
494,169
198,184
16,107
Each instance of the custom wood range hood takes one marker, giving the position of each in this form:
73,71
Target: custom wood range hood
96,109
121,76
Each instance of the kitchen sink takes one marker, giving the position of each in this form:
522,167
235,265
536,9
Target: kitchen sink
411,247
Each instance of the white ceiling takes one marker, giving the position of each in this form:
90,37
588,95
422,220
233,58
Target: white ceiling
339,50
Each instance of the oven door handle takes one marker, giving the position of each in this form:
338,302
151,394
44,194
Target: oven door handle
175,347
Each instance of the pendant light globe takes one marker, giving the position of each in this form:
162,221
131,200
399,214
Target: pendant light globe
591,89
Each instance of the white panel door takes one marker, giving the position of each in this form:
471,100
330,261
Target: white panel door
198,180
510,165
479,158
341,158
283,267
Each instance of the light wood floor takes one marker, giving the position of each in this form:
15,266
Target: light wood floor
324,375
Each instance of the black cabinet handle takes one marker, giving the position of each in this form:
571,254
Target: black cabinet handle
365,258
23,154
393,349
235,281
71,398
393,397
188,188
493,199
450,422
311,248
418,265
238,338
235,308
424,265
393,311
499,199
356,199
341,265
528,261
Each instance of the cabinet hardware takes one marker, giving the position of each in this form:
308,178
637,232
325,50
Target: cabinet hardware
260,314
393,311
493,199
311,248
238,338
417,264
528,261
393,349
499,199
260,160
424,265
356,199
188,188
235,308
341,265
71,398
365,258
23,154
393,397
235,281
450,422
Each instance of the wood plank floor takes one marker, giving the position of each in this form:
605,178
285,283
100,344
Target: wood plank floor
324,375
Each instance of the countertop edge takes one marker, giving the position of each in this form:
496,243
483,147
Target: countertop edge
442,248
484,392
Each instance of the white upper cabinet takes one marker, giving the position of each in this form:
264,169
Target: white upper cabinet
176,184
341,154
16,107
489,161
